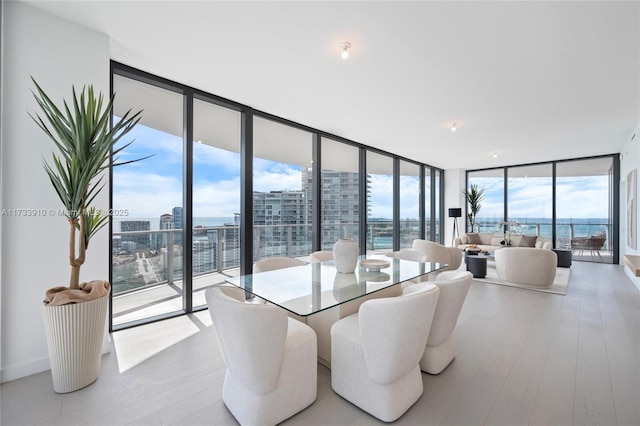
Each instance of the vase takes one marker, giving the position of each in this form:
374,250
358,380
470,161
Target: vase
345,255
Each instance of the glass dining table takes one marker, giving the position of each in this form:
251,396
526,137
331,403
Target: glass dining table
318,295
311,288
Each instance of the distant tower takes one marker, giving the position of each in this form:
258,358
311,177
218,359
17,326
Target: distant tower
166,222
178,223
140,241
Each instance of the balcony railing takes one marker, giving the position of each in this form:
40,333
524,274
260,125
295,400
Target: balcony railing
565,232
148,258
143,259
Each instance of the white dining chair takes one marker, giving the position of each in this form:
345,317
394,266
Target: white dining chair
435,252
273,263
321,256
439,352
375,352
414,256
271,360
408,254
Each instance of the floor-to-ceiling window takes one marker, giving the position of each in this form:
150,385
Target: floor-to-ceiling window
216,194
379,202
530,200
340,193
227,185
584,209
147,198
429,229
282,189
409,203
491,210
438,194
578,213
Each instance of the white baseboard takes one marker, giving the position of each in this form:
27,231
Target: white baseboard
25,369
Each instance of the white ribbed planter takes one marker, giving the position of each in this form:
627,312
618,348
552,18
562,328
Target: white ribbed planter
74,336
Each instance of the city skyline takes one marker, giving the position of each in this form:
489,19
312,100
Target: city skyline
154,186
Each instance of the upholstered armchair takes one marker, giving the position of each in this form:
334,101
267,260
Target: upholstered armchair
439,352
271,359
438,253
375,352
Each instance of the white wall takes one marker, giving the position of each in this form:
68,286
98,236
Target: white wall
33,253
629,160
454,183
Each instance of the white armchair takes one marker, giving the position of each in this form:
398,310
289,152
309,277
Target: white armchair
271,359
435,252
375,352
439,352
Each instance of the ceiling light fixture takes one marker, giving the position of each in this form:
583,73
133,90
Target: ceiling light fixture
344,46
453,127
495,155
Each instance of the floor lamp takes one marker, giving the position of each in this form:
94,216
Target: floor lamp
455,214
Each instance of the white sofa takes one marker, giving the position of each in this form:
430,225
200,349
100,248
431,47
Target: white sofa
490,242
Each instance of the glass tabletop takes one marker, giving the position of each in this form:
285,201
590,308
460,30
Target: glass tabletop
311,288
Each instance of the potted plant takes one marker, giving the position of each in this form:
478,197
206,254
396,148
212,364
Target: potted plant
474,197
75,316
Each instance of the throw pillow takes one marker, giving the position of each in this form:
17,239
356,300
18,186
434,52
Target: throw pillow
528,241
474,238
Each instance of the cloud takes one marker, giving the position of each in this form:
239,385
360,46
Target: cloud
271,176
145,194
224,161
216,199
580,197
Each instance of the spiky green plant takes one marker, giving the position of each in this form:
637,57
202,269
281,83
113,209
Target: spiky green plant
85,141
474,197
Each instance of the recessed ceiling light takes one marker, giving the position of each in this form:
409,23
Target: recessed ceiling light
344,46
454,126
495,155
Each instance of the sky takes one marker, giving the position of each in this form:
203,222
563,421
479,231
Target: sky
153,186
582,197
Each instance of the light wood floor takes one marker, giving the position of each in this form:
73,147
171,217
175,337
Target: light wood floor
523,357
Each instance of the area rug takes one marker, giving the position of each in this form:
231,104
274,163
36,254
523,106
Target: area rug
559,285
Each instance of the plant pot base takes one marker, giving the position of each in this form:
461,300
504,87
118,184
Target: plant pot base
74,337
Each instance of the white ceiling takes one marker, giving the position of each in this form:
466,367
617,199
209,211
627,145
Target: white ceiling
530,81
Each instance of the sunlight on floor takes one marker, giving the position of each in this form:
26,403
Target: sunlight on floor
138,344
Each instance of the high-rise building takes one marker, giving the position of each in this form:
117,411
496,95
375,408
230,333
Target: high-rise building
340,203
162,238
141,240
273,210
178,223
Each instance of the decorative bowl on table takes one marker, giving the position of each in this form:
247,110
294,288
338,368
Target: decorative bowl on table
374,264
